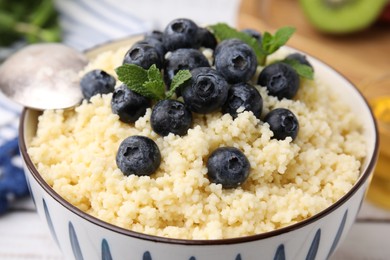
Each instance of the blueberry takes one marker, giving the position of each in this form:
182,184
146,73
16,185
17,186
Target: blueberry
97,82
155,44
283,123
228,166
236,61
243,95
143,55
206,91
181,59
170,116
300,58
205,39
138,155
224,44
253,33
155,34
280,79
180,33
128,105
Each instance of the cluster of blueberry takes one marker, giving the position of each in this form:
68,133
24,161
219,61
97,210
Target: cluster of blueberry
224,86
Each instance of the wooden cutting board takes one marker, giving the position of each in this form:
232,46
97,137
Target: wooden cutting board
361,57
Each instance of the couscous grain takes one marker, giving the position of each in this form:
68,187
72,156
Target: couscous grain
75,150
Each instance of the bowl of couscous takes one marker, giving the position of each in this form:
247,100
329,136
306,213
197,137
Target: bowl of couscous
297,198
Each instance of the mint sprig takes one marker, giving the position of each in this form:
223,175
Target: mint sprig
270,43
150,83
222,31
180,78
303,70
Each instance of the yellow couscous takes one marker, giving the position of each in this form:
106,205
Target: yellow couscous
289,181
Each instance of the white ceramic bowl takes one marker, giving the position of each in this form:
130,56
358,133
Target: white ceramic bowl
81,236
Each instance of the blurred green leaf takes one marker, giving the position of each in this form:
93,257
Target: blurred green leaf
28,20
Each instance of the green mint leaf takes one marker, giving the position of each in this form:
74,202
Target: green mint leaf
223,31
133,76
155,84
148,83
180,77
152,90
154,73
302,69
266,41
271,43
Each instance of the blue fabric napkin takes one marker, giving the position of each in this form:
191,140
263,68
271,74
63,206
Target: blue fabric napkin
12,179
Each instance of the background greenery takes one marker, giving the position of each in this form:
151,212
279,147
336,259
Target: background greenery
30,21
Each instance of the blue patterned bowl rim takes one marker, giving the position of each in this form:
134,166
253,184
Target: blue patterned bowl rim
365,176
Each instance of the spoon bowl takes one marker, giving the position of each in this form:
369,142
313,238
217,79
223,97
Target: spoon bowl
43,76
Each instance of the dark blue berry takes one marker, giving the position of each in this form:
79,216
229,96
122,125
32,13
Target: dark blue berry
155,34
235,61
243,95
97,82
228,166
253,33
138,155
155,44
205,39
300,58
170,116
182,59
280,79
180,33
206,91
283,123
143,55
225,43
128,105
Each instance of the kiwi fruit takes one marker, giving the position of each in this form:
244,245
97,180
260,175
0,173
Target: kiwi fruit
342,16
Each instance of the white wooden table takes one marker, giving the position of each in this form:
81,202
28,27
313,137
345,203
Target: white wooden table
23,236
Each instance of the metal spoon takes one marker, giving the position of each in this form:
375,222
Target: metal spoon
43,76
